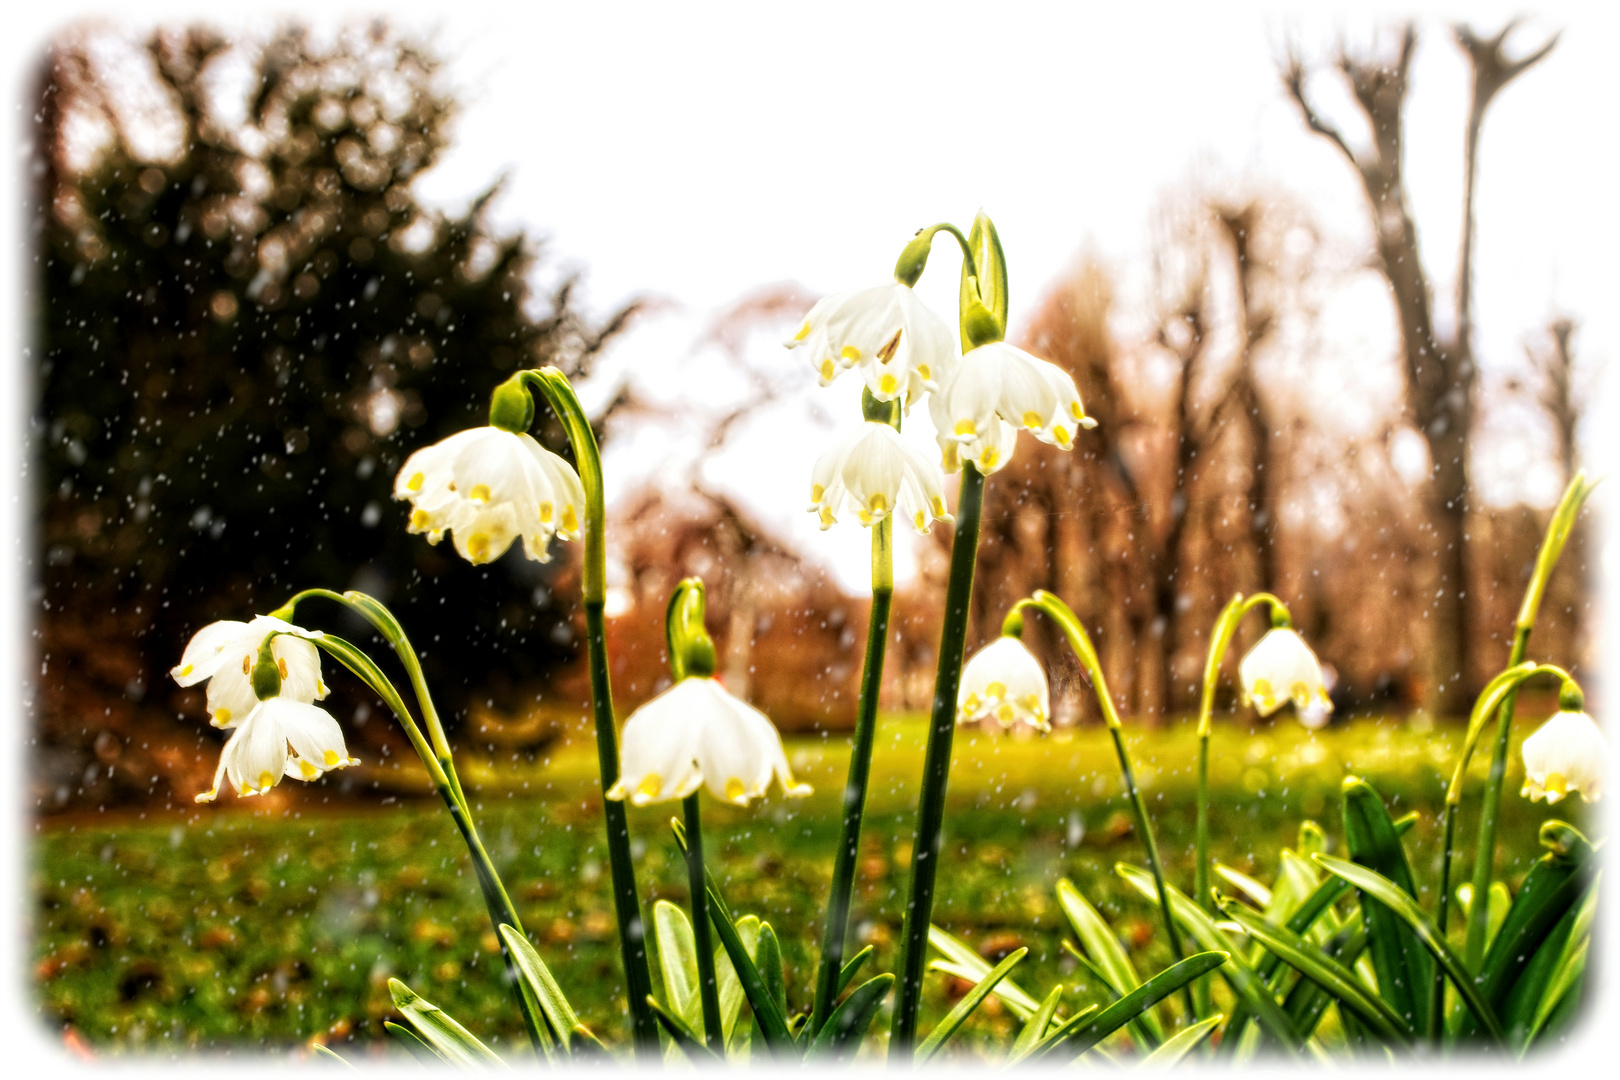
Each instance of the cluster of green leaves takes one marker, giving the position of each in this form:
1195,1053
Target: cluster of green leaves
1336,956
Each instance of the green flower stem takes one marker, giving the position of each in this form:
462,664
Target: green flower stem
1080,642
1558,530
914,257
626,903
496,900
708,986
1220,639
1496,695
860,767
384,622
936,767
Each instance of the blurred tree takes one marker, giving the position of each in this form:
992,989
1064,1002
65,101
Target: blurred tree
1441,372
245,321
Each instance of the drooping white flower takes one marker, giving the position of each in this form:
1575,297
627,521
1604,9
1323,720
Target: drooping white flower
873,472
696,733
995,390
900,346
280,737
487,487
1281,667
224,654
1566,754
1003,680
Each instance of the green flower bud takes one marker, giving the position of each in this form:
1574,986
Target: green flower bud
510,406
1570,698
691,650
913,258
266,676
979,326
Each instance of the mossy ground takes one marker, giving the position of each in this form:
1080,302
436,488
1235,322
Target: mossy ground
225,929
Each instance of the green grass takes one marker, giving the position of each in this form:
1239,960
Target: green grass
223,928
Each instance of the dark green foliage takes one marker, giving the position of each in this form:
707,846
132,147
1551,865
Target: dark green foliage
239,338
1404,968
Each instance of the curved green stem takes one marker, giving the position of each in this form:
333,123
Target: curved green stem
1220,640
1498,697
496,899
1059,612
936,767
384,622
1552,546
626,903
708,986
860,767
914,256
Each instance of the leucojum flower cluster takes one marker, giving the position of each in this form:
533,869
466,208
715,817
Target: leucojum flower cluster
1338,955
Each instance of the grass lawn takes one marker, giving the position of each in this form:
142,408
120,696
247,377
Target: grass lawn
228,929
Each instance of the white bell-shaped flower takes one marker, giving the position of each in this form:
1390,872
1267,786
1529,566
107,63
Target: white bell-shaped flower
1565,755
900,346
1005,681
873,472
995,390
487,487
280,737
696,733
224,654
1281,667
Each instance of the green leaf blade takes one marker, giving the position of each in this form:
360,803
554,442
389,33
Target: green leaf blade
439,1030
1406,909
970,1001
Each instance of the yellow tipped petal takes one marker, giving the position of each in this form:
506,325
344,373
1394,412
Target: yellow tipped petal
208,796
850,353
922,520
545,513
186,671
650,786
804,332
989,458
310,771
828,369
478,547
331,758
966,427
222,717
1032,420
419,520
570,521
479,493
816,492
887,384
735,791
996,690
266,780
414,483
